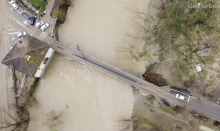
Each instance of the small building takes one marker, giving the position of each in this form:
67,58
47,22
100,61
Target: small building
197,68
29,56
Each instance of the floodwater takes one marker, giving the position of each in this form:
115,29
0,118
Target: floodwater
90,100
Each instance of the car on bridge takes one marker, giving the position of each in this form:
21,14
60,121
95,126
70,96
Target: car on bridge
14,5
178,96
180,90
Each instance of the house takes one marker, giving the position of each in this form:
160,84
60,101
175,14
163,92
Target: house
29,56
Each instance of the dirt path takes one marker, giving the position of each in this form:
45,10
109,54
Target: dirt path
6,91
165,113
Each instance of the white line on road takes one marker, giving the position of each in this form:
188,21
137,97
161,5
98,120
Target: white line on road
13,18
194,97
12,39
188,99
13,33
18,12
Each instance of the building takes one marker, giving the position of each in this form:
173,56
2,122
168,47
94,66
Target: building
29,56
197,68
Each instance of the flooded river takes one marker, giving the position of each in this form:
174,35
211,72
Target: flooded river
90,100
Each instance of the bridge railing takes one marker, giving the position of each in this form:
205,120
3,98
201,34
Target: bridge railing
107,71
112,67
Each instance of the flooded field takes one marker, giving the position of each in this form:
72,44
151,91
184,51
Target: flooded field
89,99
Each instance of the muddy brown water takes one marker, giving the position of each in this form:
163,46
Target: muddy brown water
96,101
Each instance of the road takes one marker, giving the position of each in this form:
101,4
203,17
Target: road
164,93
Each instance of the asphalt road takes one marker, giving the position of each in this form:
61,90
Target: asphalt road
190,102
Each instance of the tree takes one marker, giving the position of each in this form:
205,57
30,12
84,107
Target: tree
53,122
60,15
65,3
178,109
69,3
10,121
62,2
126,123
216,123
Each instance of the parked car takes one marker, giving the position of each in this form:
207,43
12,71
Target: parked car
44,27
14,5
32,20
22,34
26,16
178,96
45,60
39,24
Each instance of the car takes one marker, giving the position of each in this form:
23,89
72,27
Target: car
39,24
22,34
45,60
178,96
26,16
32,20
44,27
14,5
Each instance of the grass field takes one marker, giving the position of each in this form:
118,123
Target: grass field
39,4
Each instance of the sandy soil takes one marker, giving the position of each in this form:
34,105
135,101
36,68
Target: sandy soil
95,101
204,128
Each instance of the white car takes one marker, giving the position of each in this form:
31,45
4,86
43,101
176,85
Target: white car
39,24
22,34
14,5
178,96
44,27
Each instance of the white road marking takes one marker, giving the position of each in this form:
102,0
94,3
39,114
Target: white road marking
42,35
25,22
13,18
13,33
188,99
194,97
18,12
12,39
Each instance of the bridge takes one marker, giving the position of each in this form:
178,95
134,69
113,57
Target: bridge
165,94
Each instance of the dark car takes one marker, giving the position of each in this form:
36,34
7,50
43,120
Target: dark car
180,90
32,20
25,15
45,60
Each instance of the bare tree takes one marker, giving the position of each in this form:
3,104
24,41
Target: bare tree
11,121
53,122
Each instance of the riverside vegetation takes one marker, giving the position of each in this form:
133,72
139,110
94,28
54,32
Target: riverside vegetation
20,120
182,36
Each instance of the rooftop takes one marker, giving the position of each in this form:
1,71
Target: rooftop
26,56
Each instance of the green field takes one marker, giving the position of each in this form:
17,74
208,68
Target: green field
39,4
